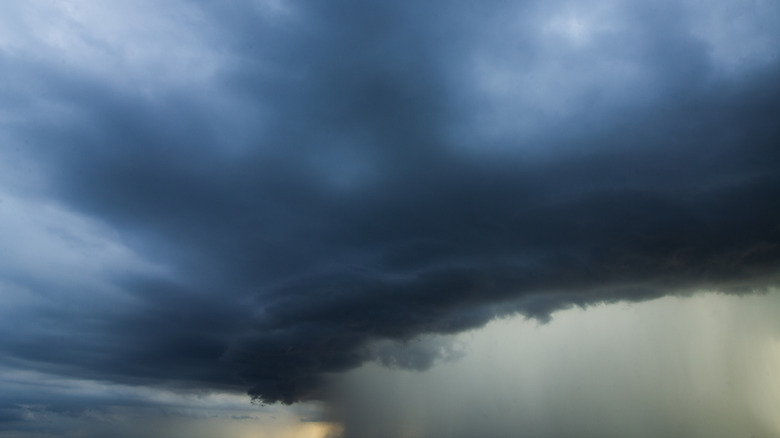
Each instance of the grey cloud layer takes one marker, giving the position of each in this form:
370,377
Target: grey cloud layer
345,176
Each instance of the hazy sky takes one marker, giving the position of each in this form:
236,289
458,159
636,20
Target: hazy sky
305,201
704,366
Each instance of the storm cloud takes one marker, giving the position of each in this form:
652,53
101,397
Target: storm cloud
256,195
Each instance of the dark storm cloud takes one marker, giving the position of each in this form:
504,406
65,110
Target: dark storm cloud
332,202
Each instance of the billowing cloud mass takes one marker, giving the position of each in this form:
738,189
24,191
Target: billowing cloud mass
254,195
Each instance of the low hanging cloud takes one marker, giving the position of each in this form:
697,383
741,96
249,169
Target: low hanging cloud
279,191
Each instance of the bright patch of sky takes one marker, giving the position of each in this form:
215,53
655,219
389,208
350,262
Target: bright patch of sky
703,366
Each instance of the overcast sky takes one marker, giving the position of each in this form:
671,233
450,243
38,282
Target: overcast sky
207,203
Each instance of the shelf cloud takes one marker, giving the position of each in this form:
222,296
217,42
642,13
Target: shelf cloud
255,195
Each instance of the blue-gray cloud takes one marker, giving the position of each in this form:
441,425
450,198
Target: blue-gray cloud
324,176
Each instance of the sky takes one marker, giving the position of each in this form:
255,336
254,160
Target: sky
368,218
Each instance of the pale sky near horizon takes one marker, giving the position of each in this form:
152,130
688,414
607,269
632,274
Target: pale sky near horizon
705,365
